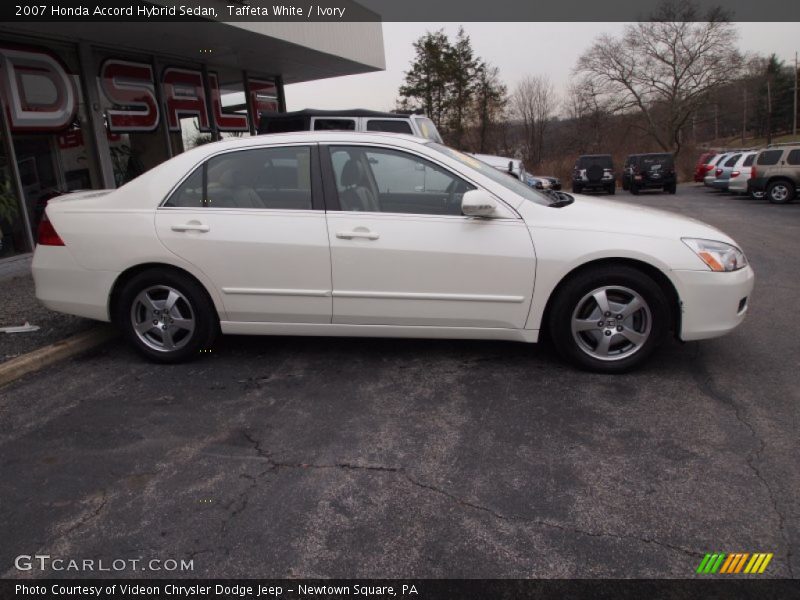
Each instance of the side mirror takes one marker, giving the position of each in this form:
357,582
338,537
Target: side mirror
478,203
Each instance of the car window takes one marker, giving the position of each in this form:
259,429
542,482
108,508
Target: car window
262,178
769,157
749,160
656,162
732,160
384,180
334,124
793,157
389,126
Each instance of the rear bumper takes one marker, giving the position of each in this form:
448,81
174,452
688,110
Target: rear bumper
738,184
712,304
757,184
64,286
720,184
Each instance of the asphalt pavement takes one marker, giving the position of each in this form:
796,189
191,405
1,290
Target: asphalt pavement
318,457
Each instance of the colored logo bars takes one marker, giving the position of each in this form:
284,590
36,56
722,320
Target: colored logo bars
720,562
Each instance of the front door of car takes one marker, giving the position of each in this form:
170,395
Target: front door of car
403,254
252,221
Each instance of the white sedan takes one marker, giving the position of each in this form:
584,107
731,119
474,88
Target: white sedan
358,234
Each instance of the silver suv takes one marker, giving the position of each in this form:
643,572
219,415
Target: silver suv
776,173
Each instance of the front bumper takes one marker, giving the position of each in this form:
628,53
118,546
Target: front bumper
712,304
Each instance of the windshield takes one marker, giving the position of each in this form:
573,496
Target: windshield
428,129
501,177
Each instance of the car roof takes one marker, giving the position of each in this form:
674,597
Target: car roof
271,139
346,112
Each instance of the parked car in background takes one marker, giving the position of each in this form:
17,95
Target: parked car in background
702,167
711,173
776,173
333,233
723,170
510,166
655,170
555,182
354,119
594,172
737,182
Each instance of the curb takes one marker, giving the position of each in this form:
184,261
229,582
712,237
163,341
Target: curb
55,352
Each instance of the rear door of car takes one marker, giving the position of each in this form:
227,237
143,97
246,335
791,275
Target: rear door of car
253,221
792,166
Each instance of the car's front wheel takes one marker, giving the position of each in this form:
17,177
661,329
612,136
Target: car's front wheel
780,192
167,315
609,319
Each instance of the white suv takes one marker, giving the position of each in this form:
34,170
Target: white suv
357,119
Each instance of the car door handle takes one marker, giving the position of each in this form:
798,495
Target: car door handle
349,235
192,227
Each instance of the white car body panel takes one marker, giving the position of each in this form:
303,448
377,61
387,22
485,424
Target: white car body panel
738,184
287,272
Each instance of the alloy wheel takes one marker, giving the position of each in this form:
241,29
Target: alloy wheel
162,318
611,323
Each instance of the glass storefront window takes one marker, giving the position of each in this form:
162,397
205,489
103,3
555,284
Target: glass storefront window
12,222
47,117
132,114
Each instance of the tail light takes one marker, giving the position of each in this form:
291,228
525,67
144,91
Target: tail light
718,172
753,172
47,235
735,174
708,167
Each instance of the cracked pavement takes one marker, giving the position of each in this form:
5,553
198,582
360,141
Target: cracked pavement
316,457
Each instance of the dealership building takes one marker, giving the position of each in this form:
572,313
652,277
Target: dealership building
92,105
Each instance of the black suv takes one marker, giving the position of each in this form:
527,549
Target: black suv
649,171
594,172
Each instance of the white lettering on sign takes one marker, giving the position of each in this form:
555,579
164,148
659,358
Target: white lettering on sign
38,92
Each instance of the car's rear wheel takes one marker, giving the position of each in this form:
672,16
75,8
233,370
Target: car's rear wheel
166,315
671,189
576,189
609,320
612,189
634,189
780,192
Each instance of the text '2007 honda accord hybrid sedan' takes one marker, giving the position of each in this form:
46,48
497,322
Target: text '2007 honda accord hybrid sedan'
358,234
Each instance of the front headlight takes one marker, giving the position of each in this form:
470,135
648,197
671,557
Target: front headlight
719,256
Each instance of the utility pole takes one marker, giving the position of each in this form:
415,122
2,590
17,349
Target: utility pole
794,116
744,115
769,112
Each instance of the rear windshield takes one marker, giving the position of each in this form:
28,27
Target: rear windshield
584,162
663,160
769,157
732,160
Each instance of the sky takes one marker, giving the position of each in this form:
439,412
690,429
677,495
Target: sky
517,49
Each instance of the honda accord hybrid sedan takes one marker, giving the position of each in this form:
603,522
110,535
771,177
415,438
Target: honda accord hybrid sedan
359,234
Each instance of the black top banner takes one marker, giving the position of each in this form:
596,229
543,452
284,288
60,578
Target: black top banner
459,11
400,589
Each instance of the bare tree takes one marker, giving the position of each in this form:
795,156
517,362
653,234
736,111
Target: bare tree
533,103
490,102
666,67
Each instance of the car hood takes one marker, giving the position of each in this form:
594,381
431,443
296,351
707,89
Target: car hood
614,216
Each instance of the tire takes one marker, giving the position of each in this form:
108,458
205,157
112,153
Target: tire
575,317
671,189
634,189
576,189
147,293
612,189
780,192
